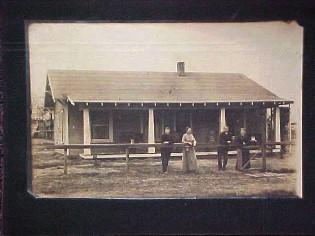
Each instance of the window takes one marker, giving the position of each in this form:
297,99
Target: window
99,125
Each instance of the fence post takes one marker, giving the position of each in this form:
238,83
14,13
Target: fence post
65,167
239,162
95,159
264,161
127,158
282,150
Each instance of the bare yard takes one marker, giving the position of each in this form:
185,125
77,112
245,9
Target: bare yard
111,179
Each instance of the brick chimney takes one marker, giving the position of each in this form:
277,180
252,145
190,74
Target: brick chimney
181,68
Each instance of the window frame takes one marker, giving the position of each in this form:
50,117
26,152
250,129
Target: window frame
109,127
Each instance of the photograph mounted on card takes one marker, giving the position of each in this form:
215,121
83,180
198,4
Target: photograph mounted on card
165,110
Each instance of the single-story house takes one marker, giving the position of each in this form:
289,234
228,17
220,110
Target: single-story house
118,106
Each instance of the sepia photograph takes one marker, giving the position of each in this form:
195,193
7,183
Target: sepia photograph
165,109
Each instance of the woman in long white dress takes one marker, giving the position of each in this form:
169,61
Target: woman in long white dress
189,159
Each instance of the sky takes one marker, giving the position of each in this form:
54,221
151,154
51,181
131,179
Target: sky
268,52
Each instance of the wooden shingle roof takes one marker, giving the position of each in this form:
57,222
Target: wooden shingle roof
127,86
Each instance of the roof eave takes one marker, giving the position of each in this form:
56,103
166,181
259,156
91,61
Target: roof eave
276,101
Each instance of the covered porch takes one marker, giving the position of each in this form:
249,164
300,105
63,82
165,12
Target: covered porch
91,123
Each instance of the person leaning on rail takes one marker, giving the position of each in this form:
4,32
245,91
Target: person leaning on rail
244,140
225,139
189,159
166,139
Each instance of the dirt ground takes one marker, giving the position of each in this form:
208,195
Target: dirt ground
143,178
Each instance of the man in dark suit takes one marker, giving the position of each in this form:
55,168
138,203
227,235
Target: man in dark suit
225,138
244,140
166,139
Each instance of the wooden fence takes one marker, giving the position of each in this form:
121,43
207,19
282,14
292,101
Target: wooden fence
264,148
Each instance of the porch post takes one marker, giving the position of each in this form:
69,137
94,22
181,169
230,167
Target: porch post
86,130
277,126
267,115
222,119
290,130
289,125
151,138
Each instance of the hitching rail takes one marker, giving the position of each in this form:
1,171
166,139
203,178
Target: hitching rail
127,146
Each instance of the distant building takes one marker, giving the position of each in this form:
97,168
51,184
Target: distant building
117,106
42,122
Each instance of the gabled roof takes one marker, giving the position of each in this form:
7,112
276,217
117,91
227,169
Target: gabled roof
127,86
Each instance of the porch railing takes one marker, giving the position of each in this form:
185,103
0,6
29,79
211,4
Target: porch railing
264,148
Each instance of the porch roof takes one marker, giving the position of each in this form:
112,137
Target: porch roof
156,87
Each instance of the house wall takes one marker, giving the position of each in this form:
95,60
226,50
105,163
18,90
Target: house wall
59,123
256,123
127,125
234,120
165,118
205,124
285,123
253,119
75,127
